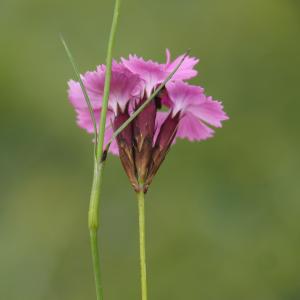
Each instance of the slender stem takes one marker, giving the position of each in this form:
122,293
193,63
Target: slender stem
93,217
96,262
141,204
111,43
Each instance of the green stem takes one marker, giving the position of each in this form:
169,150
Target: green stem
141,205
96,262
93,217
111,43
95,196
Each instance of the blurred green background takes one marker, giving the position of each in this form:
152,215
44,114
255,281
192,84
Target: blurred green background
223,216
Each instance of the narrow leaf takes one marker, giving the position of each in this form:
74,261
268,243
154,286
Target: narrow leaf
86,97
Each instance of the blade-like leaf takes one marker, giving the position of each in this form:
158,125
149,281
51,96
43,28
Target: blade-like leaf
86,97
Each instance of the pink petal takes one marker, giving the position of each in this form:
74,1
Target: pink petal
193,129
94,81
123,88
168,57
210,111
124,85
77,99
182,95
151,72
185,71
84,119
189,98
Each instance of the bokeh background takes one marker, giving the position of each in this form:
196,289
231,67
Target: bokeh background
223,216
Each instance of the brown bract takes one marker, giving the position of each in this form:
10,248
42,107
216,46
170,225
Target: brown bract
162,145
140,156
126,151
143,134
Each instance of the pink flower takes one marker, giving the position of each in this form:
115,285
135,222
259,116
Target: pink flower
145,142
124,88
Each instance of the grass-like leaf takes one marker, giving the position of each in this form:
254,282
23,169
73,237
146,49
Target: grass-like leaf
86,97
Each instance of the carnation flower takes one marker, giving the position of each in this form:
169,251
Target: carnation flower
144,143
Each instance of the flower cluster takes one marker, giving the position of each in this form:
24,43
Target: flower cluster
180,110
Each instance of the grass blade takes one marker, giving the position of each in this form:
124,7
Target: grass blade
86,97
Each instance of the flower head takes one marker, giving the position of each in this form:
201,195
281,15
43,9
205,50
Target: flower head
145,142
